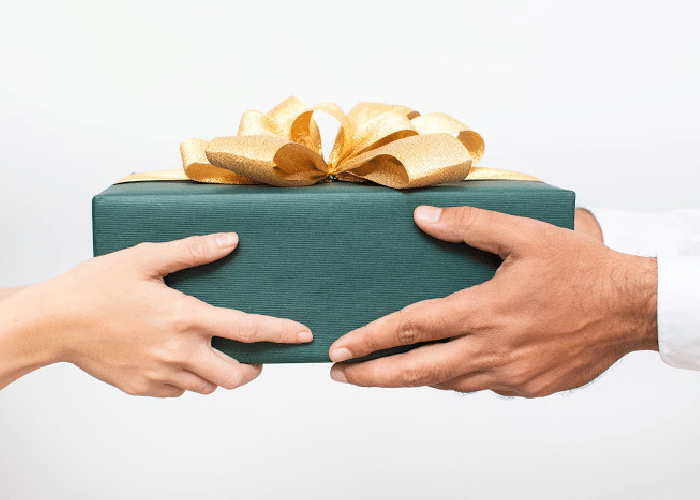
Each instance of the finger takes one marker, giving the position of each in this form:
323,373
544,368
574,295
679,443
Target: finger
472,382
165,391
224,371
425,365
192,382
237,325
160,259
490,231
424,321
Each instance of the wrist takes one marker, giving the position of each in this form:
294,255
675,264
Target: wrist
28,340
637,302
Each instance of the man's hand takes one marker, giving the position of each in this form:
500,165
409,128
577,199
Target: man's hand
561,309
114,317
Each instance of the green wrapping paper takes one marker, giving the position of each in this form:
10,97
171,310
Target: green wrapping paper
333,256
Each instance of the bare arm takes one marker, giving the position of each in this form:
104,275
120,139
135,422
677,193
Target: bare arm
114,317
6,293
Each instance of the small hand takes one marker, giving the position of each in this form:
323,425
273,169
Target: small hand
561,309
114,317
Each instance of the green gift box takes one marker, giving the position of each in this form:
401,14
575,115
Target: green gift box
333,256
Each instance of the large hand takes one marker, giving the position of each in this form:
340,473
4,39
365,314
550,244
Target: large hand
560,310
115,318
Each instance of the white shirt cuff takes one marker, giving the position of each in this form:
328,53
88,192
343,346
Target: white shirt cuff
673,237
678,319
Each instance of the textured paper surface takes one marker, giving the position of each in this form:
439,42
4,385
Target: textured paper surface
333,256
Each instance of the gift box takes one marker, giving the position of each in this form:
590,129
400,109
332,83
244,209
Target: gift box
333,256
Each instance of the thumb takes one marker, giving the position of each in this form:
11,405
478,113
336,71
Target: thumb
493,232
161,259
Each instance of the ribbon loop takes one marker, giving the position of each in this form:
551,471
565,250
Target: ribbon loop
415,161
384,143
434,123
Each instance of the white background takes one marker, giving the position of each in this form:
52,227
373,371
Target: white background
598,97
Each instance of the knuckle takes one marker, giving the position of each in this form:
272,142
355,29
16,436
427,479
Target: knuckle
531,388
130,390
196,248
464,217
180,318
496,357
246,329
408,331
518,378
136,388
505,393
503,355
152,375
204,387
233,380
173,352
416,375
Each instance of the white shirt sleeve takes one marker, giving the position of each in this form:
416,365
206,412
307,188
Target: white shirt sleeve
674,238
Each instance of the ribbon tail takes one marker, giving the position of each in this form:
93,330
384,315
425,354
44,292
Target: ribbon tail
483,173
175,174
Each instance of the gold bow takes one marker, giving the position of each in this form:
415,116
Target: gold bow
387,144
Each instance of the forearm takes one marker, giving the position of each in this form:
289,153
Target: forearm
24,343
6,293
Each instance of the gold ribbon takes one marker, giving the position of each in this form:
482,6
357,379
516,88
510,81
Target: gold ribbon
387,144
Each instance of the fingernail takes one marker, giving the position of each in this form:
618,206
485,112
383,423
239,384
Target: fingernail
226,240
340,354
338,375
428,215
305,337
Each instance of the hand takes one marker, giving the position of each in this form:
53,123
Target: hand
114,317
561,309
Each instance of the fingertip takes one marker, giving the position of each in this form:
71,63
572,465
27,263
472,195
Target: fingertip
427,215
340,354
226,240
338,374
352,344
257,370
293,332
305,336
244,375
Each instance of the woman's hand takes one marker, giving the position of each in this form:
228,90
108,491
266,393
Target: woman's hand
114,317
